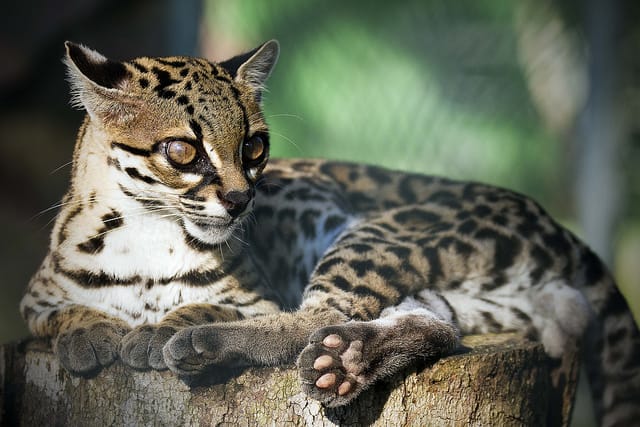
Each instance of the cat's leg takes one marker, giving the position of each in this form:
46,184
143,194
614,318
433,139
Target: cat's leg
142,347
343,360
85,340
265,340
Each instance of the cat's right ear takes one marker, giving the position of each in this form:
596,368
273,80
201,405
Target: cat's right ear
98,84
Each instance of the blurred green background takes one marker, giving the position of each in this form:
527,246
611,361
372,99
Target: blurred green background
541,96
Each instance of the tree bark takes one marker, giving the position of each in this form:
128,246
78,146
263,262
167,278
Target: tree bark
498,380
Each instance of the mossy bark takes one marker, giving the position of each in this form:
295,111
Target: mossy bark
500,380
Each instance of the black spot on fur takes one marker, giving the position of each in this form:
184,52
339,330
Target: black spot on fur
496,283
360,201
171,63
304,195
521,315
318,288
482,211
441,196
557,243
362,267
493,324
140,67
463,215
378,175
454,284
360,248
166,94
308,222
543,263
341,283
182,100
405,191
112,220
506,248
133,173
372,230
164,80
435,268
499,219
144,83
365,291
399,251
593,268
468,227
615,304
86,279
412,216
388,273
332,222
92,246
327,264
62,234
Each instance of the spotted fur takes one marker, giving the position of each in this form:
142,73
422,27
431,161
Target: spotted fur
176,248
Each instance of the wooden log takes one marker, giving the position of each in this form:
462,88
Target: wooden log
500,380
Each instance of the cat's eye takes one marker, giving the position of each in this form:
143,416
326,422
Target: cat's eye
180,152
253,150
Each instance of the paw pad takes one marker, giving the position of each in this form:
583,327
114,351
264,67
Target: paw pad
331,366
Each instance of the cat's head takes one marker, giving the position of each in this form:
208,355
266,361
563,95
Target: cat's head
181,133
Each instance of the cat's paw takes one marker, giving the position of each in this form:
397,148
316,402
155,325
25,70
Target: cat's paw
189,352
85,350
142,348
331,367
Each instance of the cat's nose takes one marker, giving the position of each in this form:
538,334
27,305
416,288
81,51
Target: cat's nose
235,202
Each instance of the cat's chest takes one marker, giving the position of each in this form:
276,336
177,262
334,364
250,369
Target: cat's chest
146,247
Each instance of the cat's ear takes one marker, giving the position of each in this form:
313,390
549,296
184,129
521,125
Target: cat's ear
98,84
254,67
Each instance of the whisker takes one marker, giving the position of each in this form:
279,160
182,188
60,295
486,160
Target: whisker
61,167
287,115
287,139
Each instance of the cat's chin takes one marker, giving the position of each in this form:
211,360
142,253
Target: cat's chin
209,232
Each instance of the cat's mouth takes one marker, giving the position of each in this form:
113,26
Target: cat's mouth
209,229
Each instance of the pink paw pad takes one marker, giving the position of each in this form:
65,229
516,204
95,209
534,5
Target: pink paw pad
332,341
328,380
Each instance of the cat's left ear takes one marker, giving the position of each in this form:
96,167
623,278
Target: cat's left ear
98,84
254,67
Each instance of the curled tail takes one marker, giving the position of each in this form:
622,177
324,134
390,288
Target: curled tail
611,348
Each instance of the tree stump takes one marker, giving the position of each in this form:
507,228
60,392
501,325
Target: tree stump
498,380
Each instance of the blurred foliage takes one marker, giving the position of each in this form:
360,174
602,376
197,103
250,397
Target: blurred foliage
426,86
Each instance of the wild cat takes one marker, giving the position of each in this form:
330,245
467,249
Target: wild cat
354,271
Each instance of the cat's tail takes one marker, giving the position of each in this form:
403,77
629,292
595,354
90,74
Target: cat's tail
611,347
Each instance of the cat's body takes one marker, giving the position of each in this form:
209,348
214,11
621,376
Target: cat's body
354,270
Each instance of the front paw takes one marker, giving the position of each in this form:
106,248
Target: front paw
142,348
86,350
193,351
